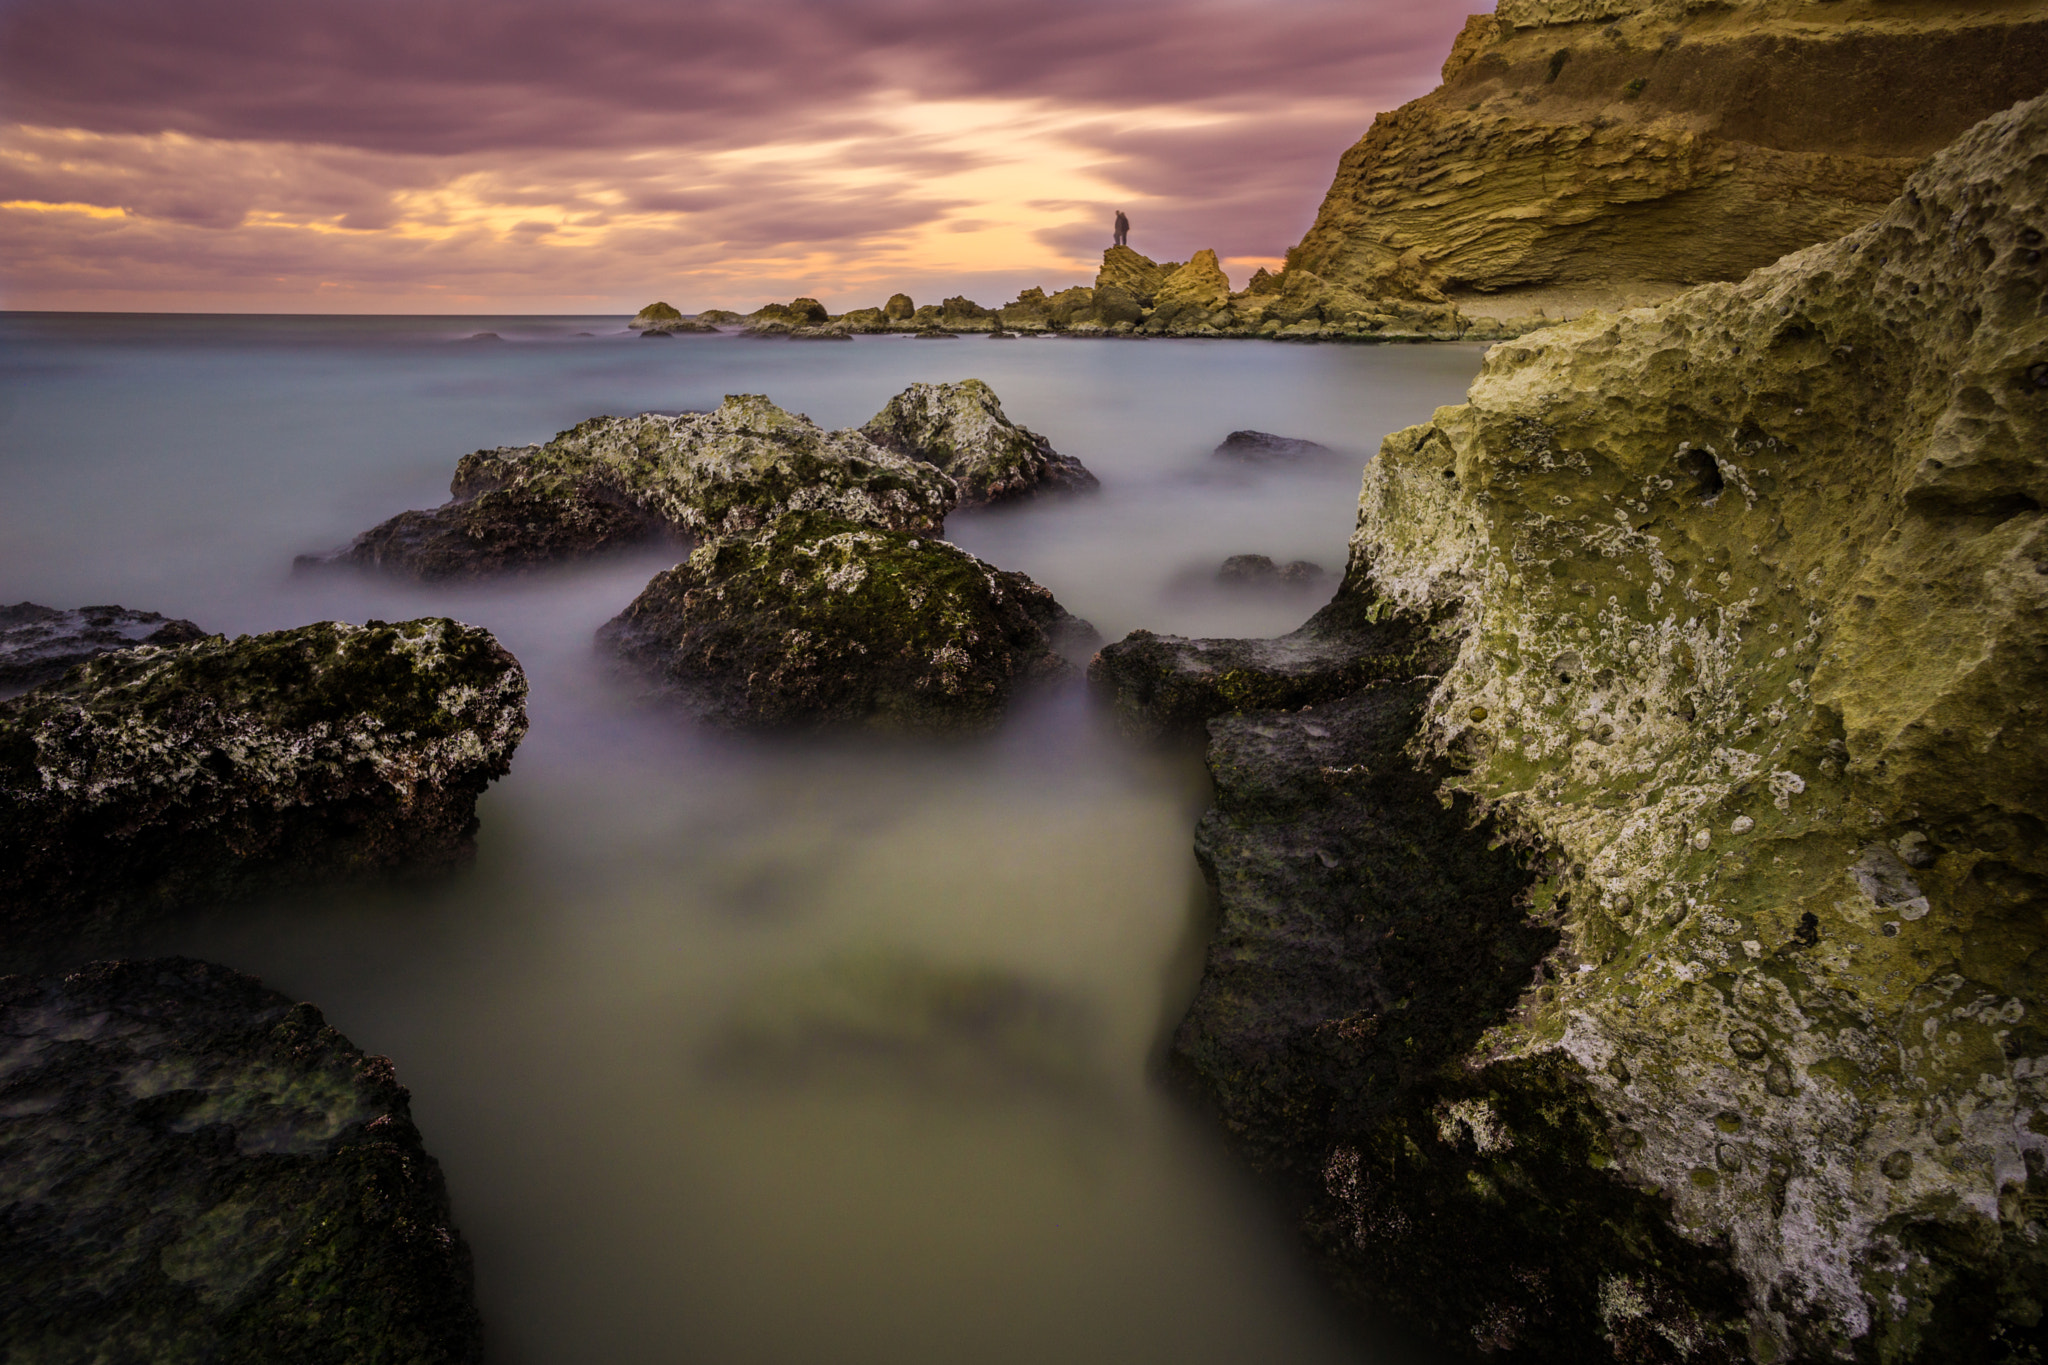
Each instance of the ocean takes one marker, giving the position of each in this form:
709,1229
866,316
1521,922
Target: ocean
734,1049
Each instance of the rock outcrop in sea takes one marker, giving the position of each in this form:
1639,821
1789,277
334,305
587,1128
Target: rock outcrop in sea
612,481
1599,153
1704,1021
961,428
158,778
38,644
822,621
194,1168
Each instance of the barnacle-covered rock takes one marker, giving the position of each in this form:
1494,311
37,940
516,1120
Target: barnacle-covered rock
822,621
613,480
961,429
1747,631
158,778
194,1168
37,643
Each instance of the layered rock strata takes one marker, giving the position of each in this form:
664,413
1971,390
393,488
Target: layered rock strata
194,1168
38,644
1602,154
962,429
154,778
612,481
1733,612
821,621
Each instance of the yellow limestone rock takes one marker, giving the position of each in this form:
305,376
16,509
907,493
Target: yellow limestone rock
1612,152
1750,593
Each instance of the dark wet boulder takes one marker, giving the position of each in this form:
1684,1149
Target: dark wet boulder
37,643
1263,447
1173,685
154,779
820,621
961,429
194,1168
612,481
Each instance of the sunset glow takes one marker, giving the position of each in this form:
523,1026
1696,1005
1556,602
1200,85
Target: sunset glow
462,157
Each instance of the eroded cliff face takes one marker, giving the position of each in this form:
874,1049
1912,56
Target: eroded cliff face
1611,152
1750,592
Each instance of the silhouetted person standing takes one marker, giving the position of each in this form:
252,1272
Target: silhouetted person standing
1123,227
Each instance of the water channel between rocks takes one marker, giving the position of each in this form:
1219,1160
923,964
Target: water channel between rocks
740,1050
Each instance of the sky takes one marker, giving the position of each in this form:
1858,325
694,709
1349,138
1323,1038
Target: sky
544,156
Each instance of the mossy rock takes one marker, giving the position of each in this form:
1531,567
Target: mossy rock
154,779
194,1170
612,481
962,429
657,316
821,621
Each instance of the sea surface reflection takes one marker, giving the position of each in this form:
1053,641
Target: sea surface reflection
747,1050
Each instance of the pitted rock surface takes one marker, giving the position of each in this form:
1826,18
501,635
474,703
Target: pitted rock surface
195,1169
962,429
614,480
824,622
154,779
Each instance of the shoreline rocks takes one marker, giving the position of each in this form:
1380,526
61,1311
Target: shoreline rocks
1734,625
1263,447
193,1167
40,644
821,621
613,481
962,429
154,779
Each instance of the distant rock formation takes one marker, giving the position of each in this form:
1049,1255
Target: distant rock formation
38,644
819,621
962,429
199,1169
657,315
1604,152
158,778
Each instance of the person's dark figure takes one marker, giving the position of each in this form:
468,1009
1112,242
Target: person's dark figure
1123,227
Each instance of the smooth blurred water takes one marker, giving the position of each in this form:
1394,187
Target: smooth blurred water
748,1050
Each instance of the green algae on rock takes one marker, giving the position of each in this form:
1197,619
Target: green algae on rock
195,1169
613,480
823,621
154,778
656,315
961,429
1749,620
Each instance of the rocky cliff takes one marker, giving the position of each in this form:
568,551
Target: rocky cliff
1595,152
1730,624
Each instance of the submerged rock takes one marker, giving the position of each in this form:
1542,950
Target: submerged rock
820,621
154,779
1746,626
615,480
961,429
37,643
890,1017
1258,571
193,1168
1263,447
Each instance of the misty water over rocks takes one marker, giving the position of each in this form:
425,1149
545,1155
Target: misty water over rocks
737,1049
